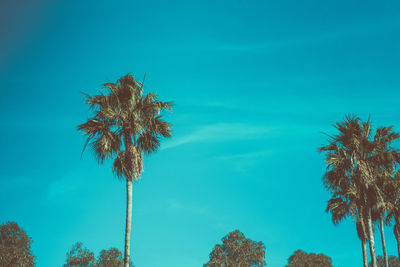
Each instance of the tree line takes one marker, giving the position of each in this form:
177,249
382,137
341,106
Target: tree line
235,250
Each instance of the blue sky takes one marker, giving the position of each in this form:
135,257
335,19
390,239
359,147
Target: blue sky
254,85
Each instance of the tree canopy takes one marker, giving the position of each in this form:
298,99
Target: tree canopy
111,258
303,259
237,250
79,256
15,246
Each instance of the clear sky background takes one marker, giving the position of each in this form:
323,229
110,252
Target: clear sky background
254,85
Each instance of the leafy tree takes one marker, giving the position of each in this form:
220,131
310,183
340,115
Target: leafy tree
236,250
79,256
392,261
15,246
111,258
303,259
126,125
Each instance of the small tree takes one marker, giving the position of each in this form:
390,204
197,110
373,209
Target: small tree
237,250
303,259
79,256
111,258
15,246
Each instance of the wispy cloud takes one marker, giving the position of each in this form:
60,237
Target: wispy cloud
221,132
72,184
64,186
377,27
178,206
243,156
245,161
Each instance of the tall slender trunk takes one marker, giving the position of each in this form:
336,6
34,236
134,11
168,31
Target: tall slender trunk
128,222
364,251
383,241
129,185
371,238
396,229
362,234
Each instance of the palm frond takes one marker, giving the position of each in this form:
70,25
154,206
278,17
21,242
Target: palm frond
126,125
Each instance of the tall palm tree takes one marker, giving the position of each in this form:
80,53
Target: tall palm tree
362,235
126,125
385,163
393,197
345,202
349,157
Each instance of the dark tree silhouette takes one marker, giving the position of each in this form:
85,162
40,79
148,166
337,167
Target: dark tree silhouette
15,246
79,256
303,259
236,250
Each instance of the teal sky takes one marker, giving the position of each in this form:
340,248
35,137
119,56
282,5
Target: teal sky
254,85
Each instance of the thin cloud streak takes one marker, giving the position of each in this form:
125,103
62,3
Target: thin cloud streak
312,39
221,132
242,156
178,206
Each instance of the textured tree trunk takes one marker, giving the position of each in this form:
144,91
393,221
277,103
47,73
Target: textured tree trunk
396,229
383,241
364,251
362,234
371,239
128,222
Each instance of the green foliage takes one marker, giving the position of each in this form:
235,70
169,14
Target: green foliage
15,246
78,256
126,125
393,261
236,250
303,259
110,258
360,175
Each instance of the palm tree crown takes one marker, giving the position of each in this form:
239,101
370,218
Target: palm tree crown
126,125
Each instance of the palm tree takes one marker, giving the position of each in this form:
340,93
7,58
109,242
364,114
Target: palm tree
345,202
126,125
384,162
349,161
393,197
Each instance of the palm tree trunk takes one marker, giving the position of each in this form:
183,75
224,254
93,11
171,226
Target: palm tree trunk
362,234
128,222
364,251
371,239
396,229
383,241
